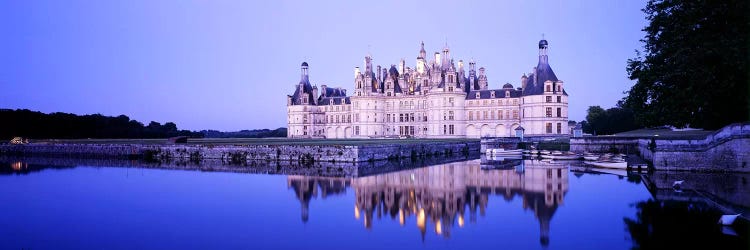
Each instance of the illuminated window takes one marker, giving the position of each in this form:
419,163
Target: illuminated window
549,128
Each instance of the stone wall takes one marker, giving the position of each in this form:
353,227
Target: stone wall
243,153
727,149
420,150
499,142
603,144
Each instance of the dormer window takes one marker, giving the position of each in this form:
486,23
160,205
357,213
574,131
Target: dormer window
477,95
492,94
507,94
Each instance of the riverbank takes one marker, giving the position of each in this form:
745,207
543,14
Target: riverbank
239,151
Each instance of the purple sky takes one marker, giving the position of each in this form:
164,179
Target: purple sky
228,65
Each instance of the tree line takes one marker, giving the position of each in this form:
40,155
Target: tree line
693,70
33,124
255,133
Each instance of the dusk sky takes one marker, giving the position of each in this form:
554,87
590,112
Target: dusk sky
228,65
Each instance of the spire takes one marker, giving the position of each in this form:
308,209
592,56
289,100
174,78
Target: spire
422,52
446,55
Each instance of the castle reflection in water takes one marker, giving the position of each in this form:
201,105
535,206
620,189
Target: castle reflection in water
441,195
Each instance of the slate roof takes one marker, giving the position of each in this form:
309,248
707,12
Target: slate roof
335,100
542,73
306,90
334,92
487,94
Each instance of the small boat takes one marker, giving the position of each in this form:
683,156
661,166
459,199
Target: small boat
558,155
501,151
534,152
504,157
728,219
545,152
590,157
610,164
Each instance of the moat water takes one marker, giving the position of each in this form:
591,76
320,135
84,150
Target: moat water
525,204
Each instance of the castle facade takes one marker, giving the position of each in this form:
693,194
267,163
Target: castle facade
439,98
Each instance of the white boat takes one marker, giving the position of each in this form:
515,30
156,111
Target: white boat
502,151
504,157
534,152
728,219
545,152
610,164
566,157
558,155
591,157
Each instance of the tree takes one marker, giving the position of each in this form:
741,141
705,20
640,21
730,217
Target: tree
694,70
610,121
596,118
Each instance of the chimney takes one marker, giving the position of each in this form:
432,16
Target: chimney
377,74
315,94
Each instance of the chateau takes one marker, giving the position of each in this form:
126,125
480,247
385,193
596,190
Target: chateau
436,99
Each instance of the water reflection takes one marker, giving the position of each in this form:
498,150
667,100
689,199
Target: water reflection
439,198
686,216
23,167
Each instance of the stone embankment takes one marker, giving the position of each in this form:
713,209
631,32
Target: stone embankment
243,153
727,149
